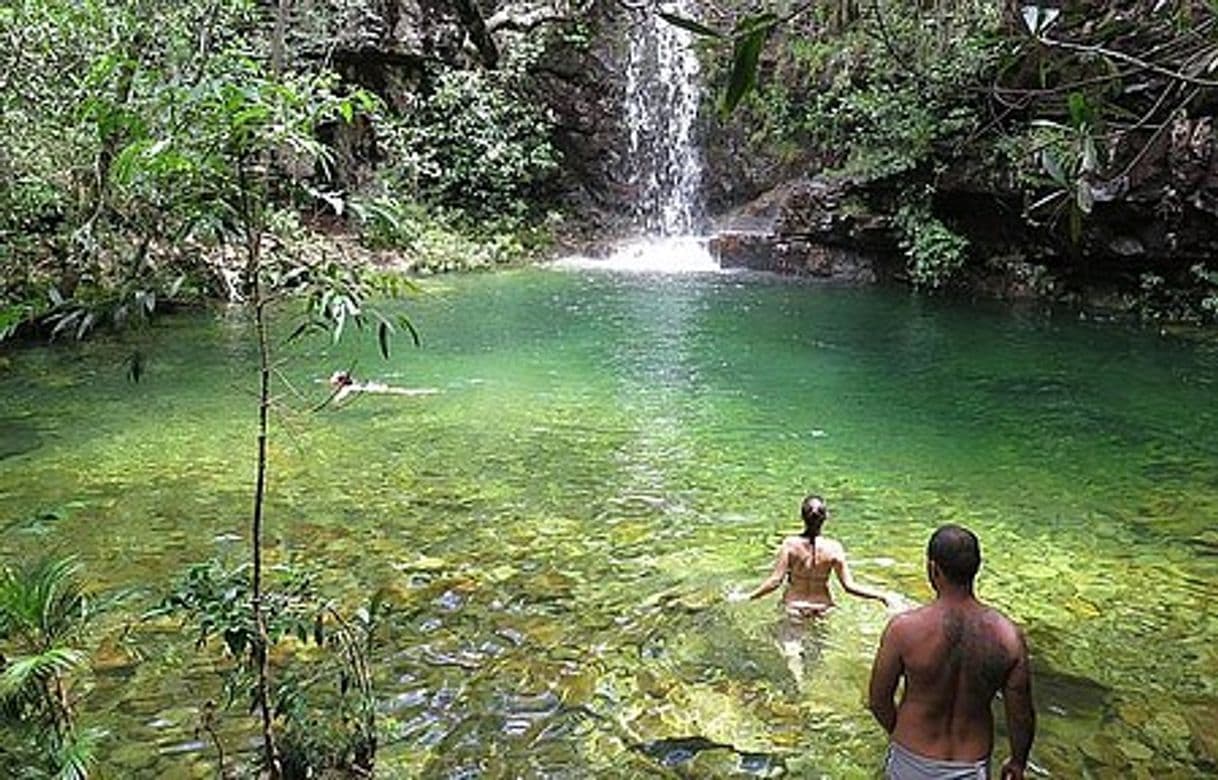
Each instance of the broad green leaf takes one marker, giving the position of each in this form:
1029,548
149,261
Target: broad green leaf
746,52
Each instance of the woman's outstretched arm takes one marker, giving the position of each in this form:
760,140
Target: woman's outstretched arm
776,576
846,578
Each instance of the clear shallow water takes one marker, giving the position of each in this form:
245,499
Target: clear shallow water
607,456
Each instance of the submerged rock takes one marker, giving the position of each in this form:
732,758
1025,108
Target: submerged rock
18,437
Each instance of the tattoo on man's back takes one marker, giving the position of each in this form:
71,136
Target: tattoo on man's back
973,651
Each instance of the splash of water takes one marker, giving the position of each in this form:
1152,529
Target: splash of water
671,255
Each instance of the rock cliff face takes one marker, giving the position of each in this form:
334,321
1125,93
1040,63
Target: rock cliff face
576,58
1161,218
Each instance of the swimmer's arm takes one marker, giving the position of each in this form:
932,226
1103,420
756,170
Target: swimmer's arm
776,577
846,578
1021,717
885,674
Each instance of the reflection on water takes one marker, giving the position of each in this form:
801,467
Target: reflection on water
611,454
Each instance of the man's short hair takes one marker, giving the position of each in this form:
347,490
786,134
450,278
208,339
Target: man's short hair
957,553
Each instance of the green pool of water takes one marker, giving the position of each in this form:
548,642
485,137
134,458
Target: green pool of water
606,457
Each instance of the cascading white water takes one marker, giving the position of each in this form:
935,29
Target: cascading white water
664,165
662,97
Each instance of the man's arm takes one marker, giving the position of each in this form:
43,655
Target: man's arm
1021,717
776,576
885,674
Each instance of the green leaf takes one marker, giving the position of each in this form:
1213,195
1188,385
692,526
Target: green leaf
1080,109
1052,167
77,753
405,323
746,52
23,671
382,338
690,25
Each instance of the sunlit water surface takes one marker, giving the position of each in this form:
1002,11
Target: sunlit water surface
607,456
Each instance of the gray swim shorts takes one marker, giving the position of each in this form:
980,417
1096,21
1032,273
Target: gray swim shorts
904,764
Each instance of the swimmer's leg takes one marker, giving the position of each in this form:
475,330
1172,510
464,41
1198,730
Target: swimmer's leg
790,643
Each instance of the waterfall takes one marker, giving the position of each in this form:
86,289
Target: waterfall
664,165
662,97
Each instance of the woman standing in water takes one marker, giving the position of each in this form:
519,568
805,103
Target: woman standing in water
805,562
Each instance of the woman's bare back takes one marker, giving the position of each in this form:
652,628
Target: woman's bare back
809,564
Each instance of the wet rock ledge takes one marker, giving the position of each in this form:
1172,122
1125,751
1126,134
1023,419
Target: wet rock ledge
807,227
771,252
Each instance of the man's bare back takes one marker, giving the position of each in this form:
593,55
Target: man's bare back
955,655
954,659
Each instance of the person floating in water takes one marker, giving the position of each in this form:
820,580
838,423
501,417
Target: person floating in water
805,563
955,655
345,387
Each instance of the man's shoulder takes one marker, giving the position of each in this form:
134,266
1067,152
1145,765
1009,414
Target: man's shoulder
911,621
1003,628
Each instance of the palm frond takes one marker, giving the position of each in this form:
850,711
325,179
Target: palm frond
26,671
43,601
77,755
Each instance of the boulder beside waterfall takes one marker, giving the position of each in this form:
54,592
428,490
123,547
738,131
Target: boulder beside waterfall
807,226
769,252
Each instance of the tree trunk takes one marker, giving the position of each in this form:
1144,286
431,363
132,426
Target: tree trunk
254,257
279,37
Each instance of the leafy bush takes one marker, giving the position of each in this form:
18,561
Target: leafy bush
431,240
472,144
44,618
933,252
874,94
323,702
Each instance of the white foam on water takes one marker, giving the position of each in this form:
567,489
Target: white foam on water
669,255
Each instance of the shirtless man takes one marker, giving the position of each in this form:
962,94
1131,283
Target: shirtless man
955,655
805,563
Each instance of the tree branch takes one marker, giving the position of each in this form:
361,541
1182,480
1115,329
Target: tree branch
1128,59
